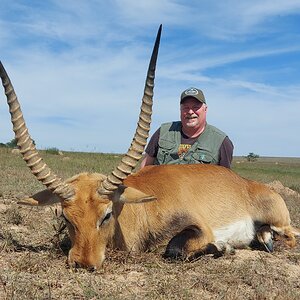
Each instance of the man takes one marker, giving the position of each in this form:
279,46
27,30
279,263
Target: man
190,140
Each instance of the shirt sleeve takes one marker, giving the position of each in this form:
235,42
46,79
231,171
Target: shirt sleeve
152,147
226,153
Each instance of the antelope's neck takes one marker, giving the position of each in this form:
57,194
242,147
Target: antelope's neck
135,225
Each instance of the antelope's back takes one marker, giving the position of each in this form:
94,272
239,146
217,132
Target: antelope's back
213,193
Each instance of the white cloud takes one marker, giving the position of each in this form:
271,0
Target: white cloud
234,19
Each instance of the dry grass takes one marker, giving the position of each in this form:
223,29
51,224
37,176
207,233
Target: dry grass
33,256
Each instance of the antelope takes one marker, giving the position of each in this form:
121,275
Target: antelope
193,209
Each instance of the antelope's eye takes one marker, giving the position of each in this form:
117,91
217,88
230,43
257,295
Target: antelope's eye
106,218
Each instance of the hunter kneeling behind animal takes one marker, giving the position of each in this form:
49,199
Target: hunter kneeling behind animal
190,140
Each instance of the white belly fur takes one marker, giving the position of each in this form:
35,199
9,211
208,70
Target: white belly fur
237,234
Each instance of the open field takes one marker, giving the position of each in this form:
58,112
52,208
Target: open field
33,254
267,169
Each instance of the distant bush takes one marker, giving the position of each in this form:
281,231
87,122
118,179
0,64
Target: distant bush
12,143
2,145
52,150
252,156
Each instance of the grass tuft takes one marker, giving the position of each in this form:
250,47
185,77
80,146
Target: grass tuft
295,187
7,242
13,215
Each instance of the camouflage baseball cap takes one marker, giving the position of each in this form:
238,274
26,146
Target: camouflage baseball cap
193,92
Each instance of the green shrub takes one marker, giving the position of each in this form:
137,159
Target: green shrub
252,156
12,144
52,150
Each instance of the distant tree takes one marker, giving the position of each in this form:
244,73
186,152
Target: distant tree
2,145
252,156
12,143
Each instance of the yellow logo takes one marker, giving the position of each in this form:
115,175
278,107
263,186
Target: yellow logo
183,149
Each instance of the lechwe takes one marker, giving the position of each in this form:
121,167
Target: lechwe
196,208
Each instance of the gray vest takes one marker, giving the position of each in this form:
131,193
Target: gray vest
204,150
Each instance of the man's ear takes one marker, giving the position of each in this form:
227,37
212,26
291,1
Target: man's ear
44,197
131,195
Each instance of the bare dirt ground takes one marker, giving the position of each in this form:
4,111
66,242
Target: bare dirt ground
33,265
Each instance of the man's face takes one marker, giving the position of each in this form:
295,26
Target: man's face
192,113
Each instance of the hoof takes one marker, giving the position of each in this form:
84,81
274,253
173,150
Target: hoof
265,237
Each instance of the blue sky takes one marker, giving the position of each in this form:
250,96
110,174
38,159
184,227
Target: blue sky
79,68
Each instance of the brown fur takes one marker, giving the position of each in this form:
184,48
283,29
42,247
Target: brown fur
191,201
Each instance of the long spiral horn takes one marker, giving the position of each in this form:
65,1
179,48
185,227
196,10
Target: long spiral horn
27,148
136,149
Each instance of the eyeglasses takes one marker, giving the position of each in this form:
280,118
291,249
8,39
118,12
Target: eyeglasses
193,108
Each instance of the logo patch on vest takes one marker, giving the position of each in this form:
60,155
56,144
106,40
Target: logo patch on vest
183,149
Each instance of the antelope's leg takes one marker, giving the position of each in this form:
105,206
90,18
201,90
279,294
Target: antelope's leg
193,242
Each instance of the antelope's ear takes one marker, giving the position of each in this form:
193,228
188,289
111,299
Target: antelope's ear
44,197
131,195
